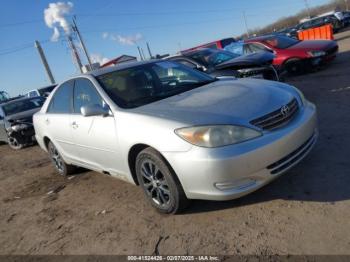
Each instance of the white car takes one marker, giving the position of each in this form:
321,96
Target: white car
178,133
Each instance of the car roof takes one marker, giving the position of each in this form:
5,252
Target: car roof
121,66
261,38
200,50
23,98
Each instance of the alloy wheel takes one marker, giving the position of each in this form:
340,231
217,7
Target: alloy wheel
155,183
56,159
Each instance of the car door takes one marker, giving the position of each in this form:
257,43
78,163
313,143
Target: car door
3,134
94,136
57,120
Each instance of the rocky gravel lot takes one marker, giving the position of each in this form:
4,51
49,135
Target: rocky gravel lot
306,211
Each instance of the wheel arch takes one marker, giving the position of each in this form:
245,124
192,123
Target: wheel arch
132,155
292,58
46,142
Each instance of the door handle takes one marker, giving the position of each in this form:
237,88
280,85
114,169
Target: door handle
47,121
75,125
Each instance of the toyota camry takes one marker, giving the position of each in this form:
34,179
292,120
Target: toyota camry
178,133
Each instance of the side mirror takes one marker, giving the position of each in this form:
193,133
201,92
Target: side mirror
94,110
200,68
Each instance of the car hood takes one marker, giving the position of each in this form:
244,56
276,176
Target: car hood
254,59
314,45
221,102
26,116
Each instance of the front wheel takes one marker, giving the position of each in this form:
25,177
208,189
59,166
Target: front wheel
14,143
61,167
159,182
294,66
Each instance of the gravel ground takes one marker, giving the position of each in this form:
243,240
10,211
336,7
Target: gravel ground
304,212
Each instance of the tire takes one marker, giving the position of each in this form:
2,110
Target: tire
14,144
293,66
159,182
61,167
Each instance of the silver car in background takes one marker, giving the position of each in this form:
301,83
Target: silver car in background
177,132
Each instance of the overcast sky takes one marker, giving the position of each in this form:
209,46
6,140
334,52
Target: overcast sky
111,28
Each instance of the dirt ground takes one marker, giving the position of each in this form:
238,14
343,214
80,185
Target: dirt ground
306,211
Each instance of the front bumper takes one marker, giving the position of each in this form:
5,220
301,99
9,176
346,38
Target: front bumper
322,60
233,171
24,136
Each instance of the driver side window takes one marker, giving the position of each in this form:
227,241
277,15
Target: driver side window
85,93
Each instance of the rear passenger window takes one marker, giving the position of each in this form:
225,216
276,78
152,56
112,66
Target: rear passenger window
85,93
186,63
254,48
61,102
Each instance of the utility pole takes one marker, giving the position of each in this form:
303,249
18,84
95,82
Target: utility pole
75,53
245,22
44,61
75,28
149,51
307,8
141,57
143,54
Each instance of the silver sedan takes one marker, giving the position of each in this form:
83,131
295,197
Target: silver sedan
176,132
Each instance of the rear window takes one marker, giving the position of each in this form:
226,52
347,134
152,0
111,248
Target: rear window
281,42
23,105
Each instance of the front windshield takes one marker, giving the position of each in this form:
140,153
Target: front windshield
18,106
281,42
211,57
140,85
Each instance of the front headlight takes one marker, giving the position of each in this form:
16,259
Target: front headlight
316,53
19,127
216,136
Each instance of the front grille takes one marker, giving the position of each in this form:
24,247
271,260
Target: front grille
293,157
278,117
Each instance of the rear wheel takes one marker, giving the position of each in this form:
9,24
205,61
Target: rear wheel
61,167
159,182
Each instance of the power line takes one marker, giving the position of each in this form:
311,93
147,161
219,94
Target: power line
24,46
143,13
16,50
177,12
163,25
21,23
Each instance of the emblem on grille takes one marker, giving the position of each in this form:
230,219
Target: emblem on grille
285,110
